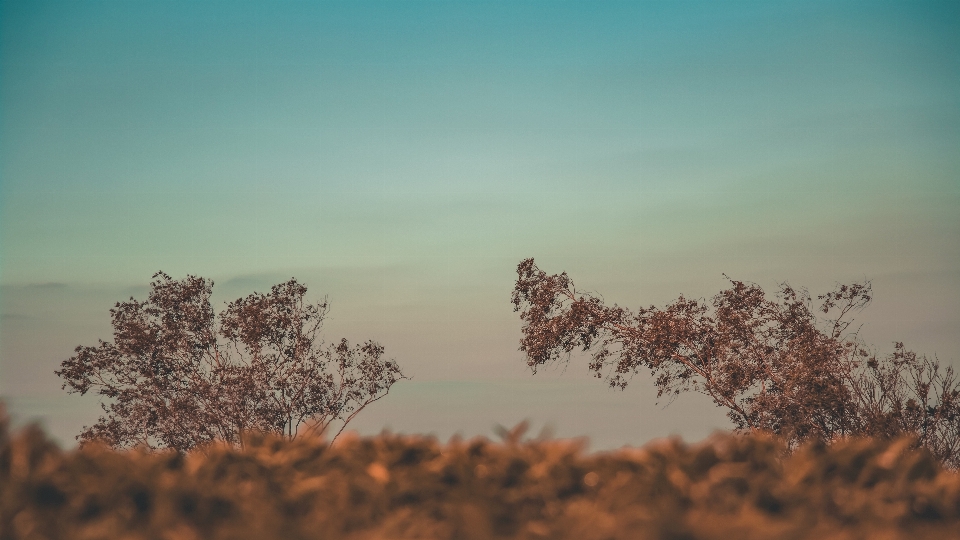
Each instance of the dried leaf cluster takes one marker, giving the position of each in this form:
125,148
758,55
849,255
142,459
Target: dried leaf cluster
781,364
176,375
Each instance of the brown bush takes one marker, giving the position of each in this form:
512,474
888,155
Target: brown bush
393,486
777,363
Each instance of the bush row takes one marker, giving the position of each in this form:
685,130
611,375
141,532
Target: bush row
393,486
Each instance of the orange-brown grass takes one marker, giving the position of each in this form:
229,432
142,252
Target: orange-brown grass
392,486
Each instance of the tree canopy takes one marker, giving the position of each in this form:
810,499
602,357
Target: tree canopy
177,375
782,364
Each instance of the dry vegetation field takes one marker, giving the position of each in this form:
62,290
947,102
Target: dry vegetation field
392,486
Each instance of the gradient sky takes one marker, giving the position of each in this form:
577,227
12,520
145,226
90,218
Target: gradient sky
403,157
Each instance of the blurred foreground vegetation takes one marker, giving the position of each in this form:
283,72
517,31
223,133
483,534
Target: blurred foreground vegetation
393,486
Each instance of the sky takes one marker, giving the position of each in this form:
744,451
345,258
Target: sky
401,158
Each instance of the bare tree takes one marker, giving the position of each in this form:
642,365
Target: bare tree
774,364
176,375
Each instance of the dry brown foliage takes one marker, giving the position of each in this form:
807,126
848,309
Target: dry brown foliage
177,376
409,487
777,365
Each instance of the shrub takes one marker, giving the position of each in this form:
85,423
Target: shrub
392,486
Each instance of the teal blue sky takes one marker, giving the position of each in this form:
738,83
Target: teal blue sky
403,157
